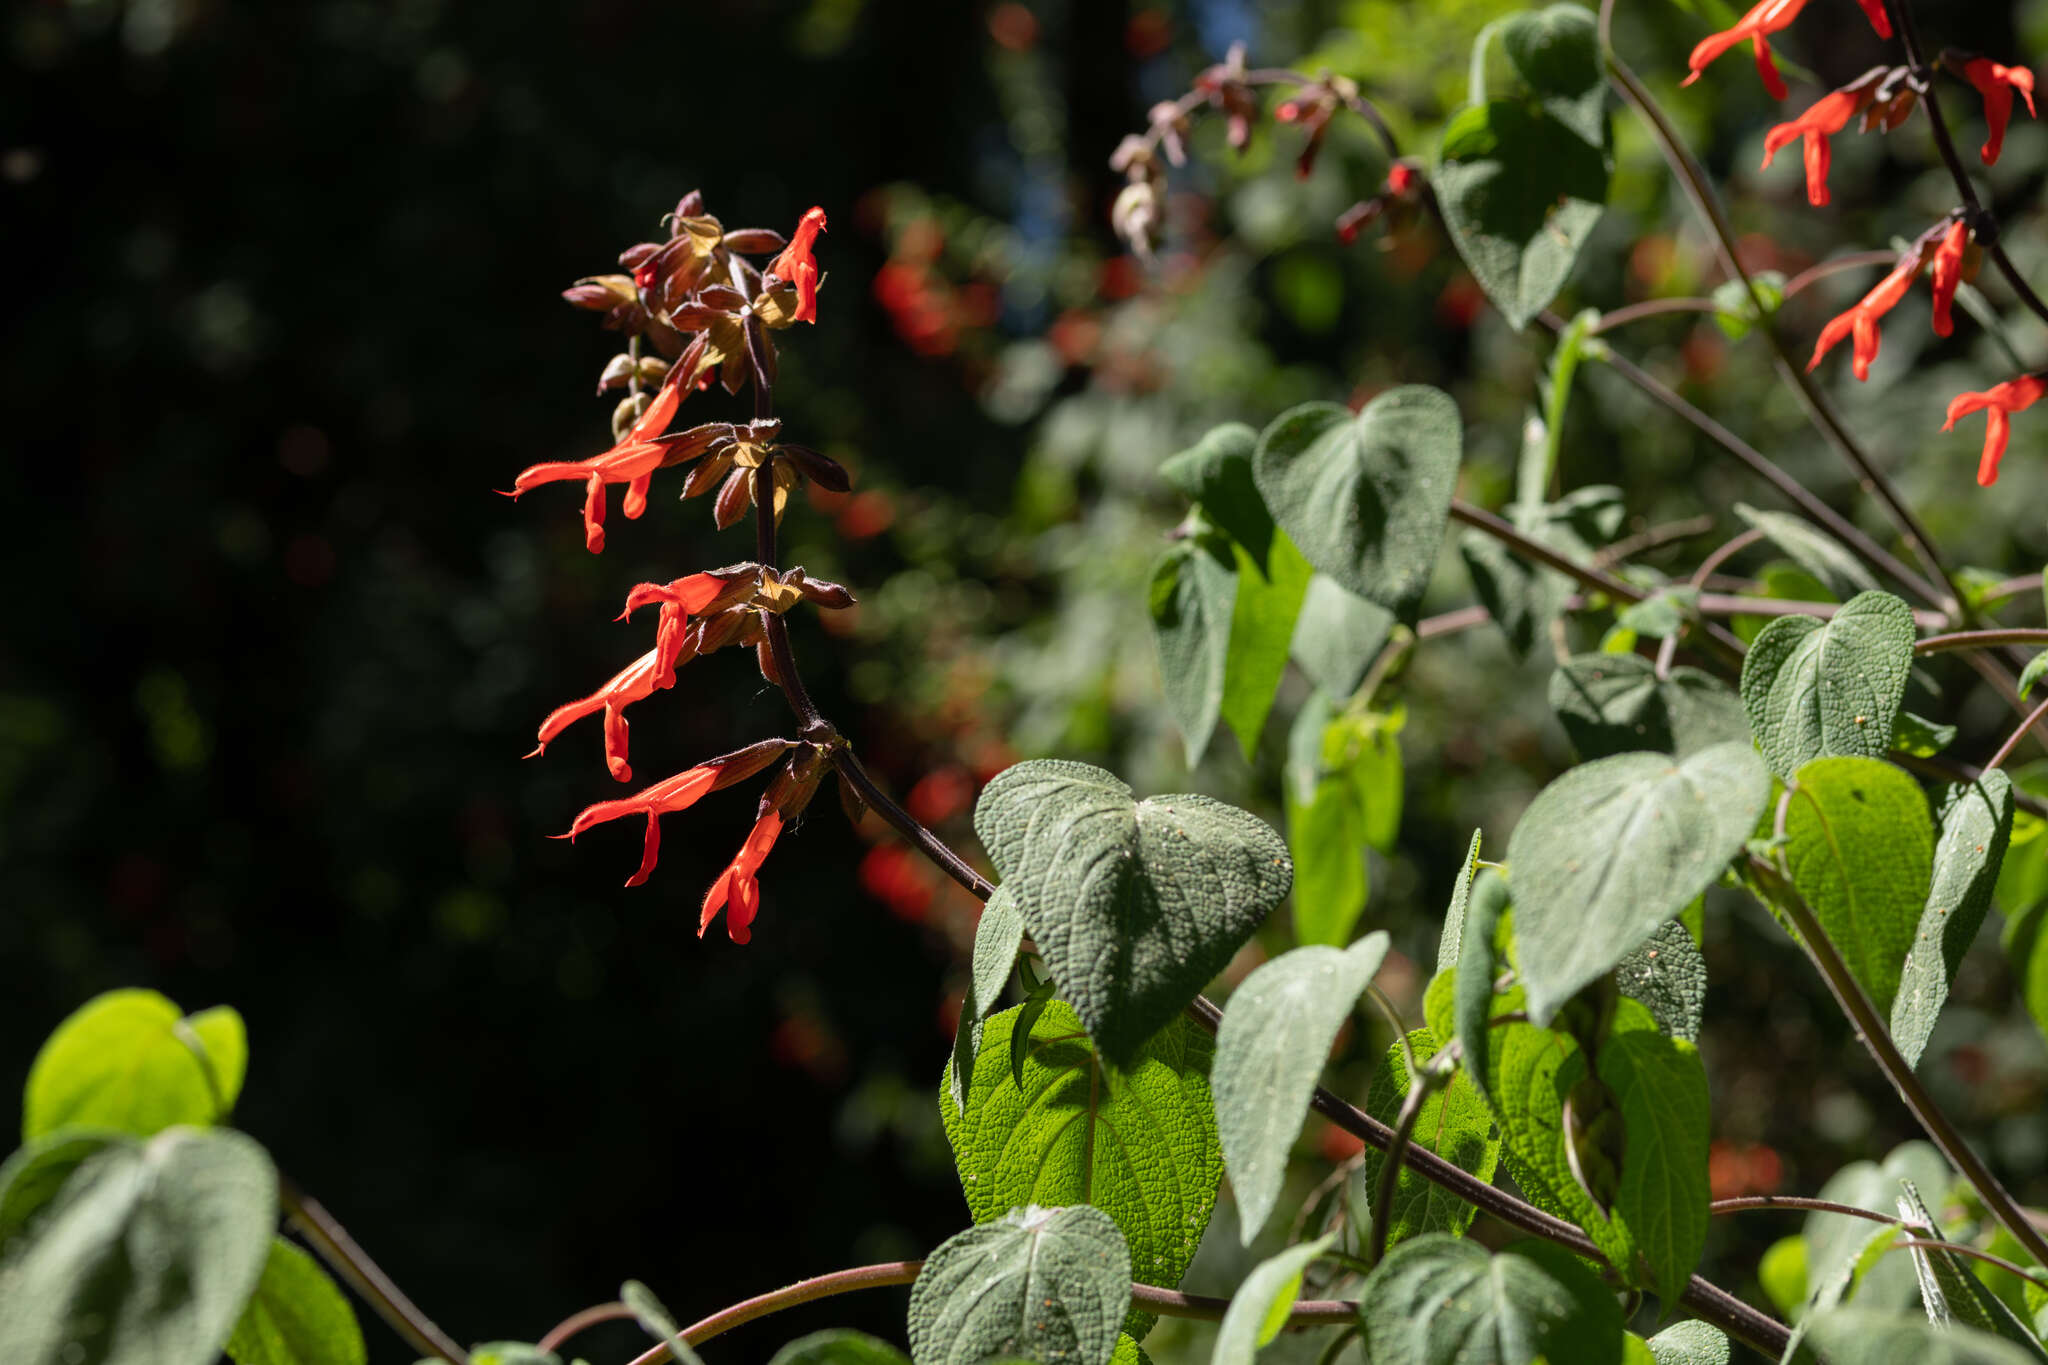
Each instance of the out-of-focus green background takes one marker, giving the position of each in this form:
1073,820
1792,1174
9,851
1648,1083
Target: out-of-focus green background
282,311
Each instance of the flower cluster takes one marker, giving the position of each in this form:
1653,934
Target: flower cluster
1884,97
708,313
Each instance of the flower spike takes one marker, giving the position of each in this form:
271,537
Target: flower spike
1948,273
799,267
1998,403
736,891
1996,84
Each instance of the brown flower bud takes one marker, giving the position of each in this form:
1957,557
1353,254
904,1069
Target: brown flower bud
850,802
832,596
754,241
734,497
706,475
742,764
820,469
600,294
765,657
617,371
653,369
626,413
639,254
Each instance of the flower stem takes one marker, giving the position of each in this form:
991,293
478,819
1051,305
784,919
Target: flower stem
330,1240
1164,1302
1982,639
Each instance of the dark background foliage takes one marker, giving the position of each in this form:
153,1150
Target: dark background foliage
282,311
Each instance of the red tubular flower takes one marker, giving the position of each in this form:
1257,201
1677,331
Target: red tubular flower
1862,319
631,462
1996,84
665,797
736,891
1829,115
1402,179
1948,273
1879,20
799,267
637,681
1765,18
1999,402
679,601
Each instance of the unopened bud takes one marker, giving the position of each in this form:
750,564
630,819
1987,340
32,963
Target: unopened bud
690,205
754,241
617,371
705,477
819,468
833,596
733,498
639,254
653,369
627,413
850,801
600,295
765,657
742,764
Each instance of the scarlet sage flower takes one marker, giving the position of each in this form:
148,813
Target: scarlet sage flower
1996,84
799,267
1764,19
1948,273
736,891
665,797
631,462
679,601
1829,115
637,681
1998,403
1862,319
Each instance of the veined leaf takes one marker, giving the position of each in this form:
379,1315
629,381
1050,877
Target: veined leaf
1193,595
997,937
1276,1031
1366,498
1047,1285
1616,703
1976,824
1689,1343
1860,847
1814,689
1454,1123
298,1317
1668,975
1139,1142
1261,636
1338,635
1614,849
1134,904
1438,1299
1860,1336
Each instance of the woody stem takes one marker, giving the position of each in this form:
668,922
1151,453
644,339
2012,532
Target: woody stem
1983,223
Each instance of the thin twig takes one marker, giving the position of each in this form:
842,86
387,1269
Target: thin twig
1964,1249
2012,741
1652,538
579,1322
331,1242
1982,639
1877,1039
1164,1302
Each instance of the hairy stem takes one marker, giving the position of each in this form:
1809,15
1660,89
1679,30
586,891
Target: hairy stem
331,1242
1164,1302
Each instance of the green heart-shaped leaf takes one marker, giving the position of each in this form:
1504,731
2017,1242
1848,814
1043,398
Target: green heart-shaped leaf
1815,688
1521,192
1441,1298
1039,1284
1366,498
1134,904
1615,703
1976,826
1617,847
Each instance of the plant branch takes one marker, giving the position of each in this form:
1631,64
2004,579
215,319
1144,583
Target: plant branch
1877,1039
1700,191
583,1321
1764,468
1165,1302
1982,639
330,1240
2012,741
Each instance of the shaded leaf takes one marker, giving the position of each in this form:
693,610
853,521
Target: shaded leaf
1616,703
1812,549
1861,1336
1453,1122
1193,593
1439,1299
1338,635
997,937
1668,975
1366,498
1276,1031
839,1346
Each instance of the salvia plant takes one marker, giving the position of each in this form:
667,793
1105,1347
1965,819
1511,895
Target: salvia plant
1553,1084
